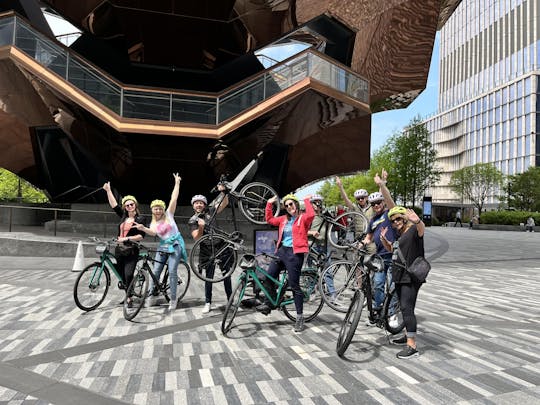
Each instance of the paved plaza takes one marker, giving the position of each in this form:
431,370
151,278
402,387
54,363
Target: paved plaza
479,339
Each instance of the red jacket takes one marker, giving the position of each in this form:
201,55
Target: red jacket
299,229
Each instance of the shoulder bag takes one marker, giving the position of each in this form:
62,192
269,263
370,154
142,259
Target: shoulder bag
419,268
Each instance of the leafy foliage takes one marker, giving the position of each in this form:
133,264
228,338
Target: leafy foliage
330,190
9,189
508,217
524,190
476,183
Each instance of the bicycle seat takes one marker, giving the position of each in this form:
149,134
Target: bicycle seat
247,262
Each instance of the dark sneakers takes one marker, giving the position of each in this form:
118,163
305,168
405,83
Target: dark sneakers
299,325
407,353
264,309
399,341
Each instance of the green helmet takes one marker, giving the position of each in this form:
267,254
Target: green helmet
397,210
291,197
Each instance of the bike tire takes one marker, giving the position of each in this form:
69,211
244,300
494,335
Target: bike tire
213,250
337,285
350,323
252,202
91,286
391,307
342,235
184,278
136,293
313,300
235,300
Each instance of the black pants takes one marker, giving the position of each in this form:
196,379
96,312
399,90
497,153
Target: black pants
126,267
408,293
226,259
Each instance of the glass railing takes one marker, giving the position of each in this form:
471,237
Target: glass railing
142,103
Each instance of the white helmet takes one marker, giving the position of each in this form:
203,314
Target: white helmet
316,197
375,197
199,197
360,193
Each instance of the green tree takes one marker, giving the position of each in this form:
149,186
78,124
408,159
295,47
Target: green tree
13,188
331,193
476,183
524,190
412,166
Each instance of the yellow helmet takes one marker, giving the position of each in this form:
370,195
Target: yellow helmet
129,197
397,210
291,197
158,203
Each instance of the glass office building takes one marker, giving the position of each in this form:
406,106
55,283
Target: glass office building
489,58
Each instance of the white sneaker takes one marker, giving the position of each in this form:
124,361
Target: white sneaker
149,302
207,308
173,304
393,321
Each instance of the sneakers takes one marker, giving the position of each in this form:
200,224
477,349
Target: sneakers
393,321
207,308
173,304
264,309
399,341
408,353
149,302
299,325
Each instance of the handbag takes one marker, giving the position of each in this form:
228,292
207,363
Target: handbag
123,249
419,268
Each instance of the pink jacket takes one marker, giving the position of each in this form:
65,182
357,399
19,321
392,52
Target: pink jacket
299,229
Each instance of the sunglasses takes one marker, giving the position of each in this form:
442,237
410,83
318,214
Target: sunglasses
373,204
399,219
360,198
130,205
289,205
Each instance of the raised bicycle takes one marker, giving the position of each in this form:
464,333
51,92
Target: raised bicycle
94,280
346,228
313,302
138,290
390,317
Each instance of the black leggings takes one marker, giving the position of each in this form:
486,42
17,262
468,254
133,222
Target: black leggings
126,267
407,294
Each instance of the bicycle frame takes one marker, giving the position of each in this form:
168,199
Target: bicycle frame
251,274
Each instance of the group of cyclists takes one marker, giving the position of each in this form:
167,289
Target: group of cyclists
390,227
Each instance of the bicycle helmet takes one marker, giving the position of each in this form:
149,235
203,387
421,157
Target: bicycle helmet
199,197
397,210
129,197
316,197
291,197
375,197
158,203
360,193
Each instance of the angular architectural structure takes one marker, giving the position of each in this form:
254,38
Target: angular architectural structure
151,88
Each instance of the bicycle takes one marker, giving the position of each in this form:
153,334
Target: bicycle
363,297
313,302
93,281
137,292
345,228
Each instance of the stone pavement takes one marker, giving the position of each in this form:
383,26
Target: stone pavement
479,338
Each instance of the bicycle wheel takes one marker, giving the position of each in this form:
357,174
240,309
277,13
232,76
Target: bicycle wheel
213,258
393,317
252,202
350,323
313,301
337,285
346,229
91,286
233,304
184,278
136,293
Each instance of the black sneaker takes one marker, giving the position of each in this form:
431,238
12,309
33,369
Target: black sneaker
399,341
264,309
408,353
299,325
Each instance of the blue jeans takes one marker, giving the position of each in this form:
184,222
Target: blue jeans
379,280
172,261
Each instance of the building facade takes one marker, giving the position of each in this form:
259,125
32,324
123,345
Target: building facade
489,67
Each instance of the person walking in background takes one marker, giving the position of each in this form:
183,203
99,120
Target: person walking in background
410,229
126,252
529,227
171,248
292,245
202,221
458,218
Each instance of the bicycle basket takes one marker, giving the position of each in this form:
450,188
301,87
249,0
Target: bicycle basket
100,248
374,263
247,262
